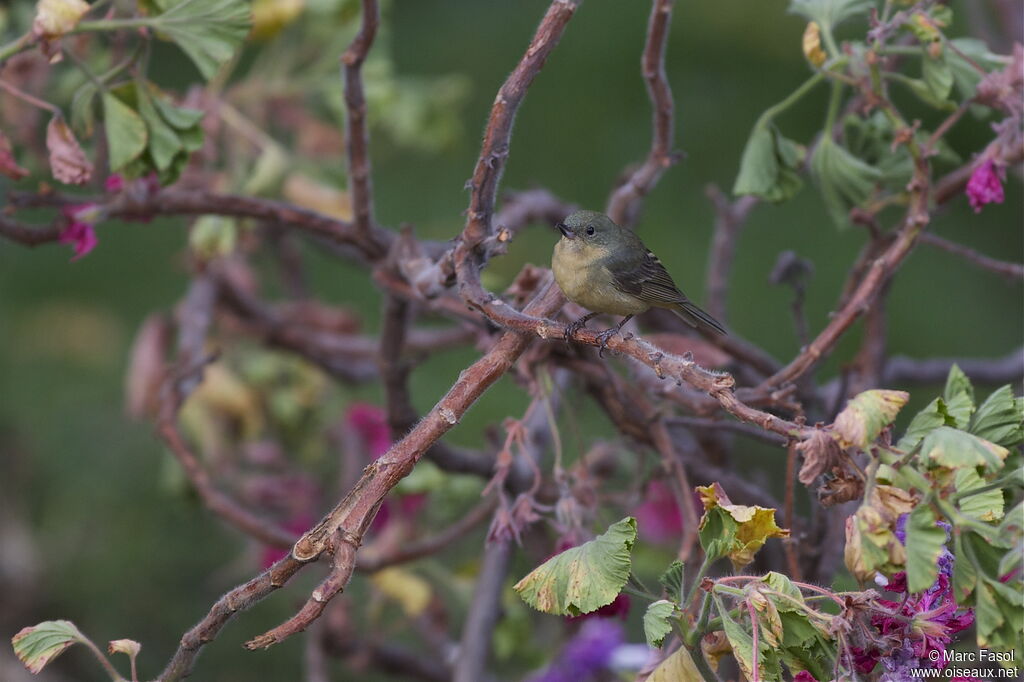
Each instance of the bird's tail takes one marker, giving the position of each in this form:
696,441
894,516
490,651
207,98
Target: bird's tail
697,318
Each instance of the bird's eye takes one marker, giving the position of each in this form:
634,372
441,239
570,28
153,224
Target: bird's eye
590,229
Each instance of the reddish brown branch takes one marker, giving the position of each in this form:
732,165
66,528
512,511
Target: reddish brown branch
357,139
242,597
624,202
350,518
468,257
1003,268
864,294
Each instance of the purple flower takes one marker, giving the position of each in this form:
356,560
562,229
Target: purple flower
586,654
986,185
804,676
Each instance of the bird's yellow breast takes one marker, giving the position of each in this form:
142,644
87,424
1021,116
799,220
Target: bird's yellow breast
581,274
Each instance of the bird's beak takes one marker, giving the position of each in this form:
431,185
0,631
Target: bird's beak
566,232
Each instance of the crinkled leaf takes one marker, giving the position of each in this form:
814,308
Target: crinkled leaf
986,506
37,645
924,422
953,448
126,132
734,530
208,31
672,581
769,166
829,13
1000,419
844,179
679,667
937,74
124,646
867,414
584,578
784,585
55,18
988,616
925,542
658,621
959,396
871,544
68,162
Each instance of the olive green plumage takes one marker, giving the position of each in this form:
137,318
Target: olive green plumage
607,269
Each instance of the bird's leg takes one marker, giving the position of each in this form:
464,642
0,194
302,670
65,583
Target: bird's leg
573,327
602,338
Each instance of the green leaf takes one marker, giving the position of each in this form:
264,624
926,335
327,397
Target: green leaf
864,417
953,448
965,74
925,94
988,616
924,422
37,645
965,575
769,166
986,506
1000,419
784,585
657,622
742,643
959,396
937,74
126,132
181,118
679,667
83,117
925,542
829,13
844,179
208,31
213,236
672,581
164,144
585,578
736,530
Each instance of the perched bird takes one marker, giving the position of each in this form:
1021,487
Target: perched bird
607,269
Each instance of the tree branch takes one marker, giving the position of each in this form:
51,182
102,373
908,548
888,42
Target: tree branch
1003,268
357,139
624,202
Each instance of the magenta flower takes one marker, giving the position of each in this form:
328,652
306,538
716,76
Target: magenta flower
370,423
619,608
804,676
114,183
657,517
80,232
986,185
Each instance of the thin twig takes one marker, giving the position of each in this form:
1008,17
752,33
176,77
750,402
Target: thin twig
1003,268
625,200
730,217
356,134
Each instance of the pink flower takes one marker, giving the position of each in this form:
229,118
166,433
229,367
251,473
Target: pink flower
114,183
986,185
82,236
657,517
369,422
804,676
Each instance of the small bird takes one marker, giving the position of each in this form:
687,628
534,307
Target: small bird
607,269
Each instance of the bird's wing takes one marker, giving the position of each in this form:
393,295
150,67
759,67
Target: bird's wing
647,279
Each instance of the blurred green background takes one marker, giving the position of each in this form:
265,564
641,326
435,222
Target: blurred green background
114,551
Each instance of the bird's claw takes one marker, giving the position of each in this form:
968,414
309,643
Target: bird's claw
602,340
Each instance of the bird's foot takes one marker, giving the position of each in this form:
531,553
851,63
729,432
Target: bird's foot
575,326
602,340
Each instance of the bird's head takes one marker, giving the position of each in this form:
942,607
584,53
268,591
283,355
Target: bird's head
591,227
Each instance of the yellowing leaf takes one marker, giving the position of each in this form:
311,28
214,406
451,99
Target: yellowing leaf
812,44
124,646
54,18
269,17
679,667
412,592
37,645
742,532
866,415
585,578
